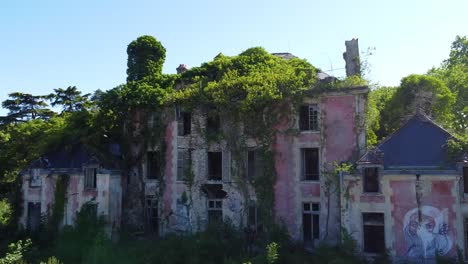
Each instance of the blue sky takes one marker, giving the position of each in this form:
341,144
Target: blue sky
51,44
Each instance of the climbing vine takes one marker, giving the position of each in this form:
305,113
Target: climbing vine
60,200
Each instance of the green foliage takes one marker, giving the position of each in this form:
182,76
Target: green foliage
146,56
69,98
16,252
272,253
23,107
52,260
5,213
457,147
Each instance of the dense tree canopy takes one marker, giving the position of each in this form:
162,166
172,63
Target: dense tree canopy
146,57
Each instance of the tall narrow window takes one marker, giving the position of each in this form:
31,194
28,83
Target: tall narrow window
310,164
213,123
371,180
310,221
465,225
215,211
90,178
184,163
308,118
153,165
254,165
184,124
152,214
35,180
34,216
215,166
465,180
374,232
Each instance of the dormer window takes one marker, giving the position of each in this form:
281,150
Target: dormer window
308,118
35,180
371,180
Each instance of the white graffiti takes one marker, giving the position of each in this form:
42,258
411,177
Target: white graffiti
426,232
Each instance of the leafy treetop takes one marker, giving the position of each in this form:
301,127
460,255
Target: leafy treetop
146,57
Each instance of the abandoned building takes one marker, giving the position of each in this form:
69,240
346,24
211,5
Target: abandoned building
90,181
409,195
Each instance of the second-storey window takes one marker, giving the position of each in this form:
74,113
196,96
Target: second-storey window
90,178
213,123
371,180
215,166
153,165
184,124
310,164
254,166
184,163
309,118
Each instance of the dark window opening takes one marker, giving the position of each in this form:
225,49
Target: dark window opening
374,232
152,214
371,180
184,124
213,123
465,223
215,166
215,211
34,216
153,165
254,165
308,118
310,221
90,178
184,162
310,164
465,180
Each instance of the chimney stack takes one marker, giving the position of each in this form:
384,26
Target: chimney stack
351,57
182,68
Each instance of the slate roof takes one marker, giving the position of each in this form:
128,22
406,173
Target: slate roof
418,144
73,156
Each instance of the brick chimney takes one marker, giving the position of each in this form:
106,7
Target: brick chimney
351,57
182,68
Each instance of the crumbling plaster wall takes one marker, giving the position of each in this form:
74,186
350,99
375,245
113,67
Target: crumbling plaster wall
341,137
107,185
438,205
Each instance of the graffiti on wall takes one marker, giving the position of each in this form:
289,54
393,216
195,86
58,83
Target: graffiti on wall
426,232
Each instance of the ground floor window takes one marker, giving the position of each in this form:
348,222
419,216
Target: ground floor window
215,211
311,221
152,214
374,232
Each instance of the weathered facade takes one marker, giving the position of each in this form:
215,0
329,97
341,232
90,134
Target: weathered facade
89,182
408,195
333,132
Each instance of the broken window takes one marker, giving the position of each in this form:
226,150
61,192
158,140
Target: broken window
184,124
215,211
371,179
213,123
184,163
465,180
254,166
153,165
34,216
308,118
310,164
310,221
152,214
35,180
374,232
215,166
90,178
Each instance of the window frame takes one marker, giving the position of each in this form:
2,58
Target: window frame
312,177
214,208
87,183
365,187
148,169
151,206
209,170
314,214
35,180
464,172
311,122
363,222
184,163
184,123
